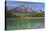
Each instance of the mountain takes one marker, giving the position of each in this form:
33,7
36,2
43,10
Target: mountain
25,9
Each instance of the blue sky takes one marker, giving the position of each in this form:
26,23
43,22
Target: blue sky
34,5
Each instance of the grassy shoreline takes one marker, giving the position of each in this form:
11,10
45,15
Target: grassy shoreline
29,18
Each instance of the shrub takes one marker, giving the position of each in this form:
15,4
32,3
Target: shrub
39,15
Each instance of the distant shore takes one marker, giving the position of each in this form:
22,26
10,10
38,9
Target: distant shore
30,18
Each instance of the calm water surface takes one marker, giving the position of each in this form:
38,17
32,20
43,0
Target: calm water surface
18,24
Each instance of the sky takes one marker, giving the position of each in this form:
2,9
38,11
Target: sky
34,5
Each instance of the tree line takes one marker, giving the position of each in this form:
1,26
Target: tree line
35,14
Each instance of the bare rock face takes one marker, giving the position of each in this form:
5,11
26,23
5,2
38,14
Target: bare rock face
26,9
23,9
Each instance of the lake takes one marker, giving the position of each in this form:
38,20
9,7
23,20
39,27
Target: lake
22,23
